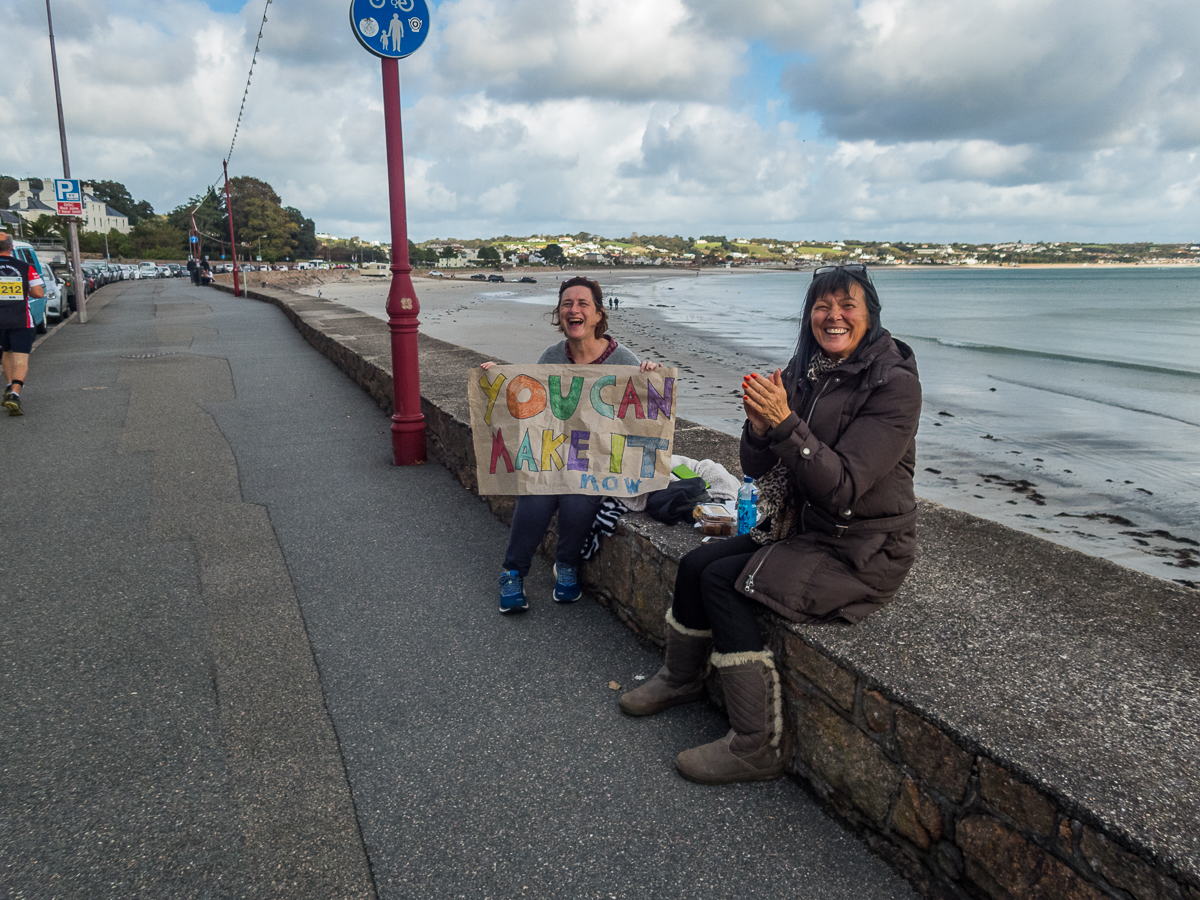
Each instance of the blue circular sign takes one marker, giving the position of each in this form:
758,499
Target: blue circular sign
391,29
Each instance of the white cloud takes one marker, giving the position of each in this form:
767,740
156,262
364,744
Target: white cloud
611,49
943,120
1060,73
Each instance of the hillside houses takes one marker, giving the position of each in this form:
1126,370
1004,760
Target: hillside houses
98,216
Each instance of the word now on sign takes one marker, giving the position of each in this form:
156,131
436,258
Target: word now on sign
572,429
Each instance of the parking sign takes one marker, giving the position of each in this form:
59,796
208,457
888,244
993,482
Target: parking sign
68,196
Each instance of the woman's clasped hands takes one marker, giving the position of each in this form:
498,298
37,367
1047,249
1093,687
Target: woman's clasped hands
765,401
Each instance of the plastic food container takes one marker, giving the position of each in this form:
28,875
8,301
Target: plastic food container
715,519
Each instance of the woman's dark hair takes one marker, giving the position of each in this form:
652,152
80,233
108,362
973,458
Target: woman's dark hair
597,299
837,281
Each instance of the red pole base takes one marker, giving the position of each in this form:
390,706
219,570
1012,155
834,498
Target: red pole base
408,441
408,423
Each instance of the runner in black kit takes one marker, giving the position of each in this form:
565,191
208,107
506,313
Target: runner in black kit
19,281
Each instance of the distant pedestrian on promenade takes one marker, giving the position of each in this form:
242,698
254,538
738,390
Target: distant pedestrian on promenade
580,316
19,282
205,271
832,441
193,270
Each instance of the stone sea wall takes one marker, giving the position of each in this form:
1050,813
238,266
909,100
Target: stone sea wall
957,816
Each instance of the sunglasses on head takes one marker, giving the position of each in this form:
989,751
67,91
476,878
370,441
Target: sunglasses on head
851,268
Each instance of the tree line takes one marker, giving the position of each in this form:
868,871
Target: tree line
260,221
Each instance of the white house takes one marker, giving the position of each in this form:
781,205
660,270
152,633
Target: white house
97,215
27,204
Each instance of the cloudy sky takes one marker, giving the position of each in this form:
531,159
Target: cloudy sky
975,120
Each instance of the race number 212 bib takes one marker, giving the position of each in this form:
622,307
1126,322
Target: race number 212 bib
11,288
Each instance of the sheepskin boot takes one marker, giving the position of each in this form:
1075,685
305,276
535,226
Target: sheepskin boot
680,680
750,751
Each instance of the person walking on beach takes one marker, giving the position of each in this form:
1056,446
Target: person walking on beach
580,316
832,441
19,282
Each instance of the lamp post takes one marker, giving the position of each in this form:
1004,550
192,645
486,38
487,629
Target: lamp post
393,40
76,260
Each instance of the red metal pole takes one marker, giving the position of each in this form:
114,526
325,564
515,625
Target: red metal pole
237,288
408,424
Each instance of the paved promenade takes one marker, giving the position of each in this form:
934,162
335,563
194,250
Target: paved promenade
245,656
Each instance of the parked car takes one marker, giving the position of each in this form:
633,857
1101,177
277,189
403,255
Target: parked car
495,277
37,306
94,273
434,273
56,296
479,276
527,280
63,303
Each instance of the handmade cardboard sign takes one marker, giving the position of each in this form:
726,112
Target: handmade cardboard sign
605,430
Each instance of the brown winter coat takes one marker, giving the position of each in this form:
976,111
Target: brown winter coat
850,444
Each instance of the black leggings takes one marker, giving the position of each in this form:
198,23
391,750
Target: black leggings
705,596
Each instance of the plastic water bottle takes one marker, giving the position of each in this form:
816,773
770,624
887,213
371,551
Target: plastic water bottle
747,505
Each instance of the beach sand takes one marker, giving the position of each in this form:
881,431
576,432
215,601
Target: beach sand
510,322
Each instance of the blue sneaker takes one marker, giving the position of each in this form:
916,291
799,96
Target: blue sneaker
566,583
512,592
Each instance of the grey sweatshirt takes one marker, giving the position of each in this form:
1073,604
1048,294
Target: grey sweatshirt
556,354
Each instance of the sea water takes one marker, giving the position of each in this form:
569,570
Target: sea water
1065,402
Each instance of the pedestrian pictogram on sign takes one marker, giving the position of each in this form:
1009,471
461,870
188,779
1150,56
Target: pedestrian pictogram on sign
392,29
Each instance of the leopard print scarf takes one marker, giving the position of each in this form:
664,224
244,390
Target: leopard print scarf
776,506
820,365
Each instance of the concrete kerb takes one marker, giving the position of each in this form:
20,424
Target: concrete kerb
975,792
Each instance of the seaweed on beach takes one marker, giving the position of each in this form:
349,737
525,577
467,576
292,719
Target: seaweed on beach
1186,557
1164,535
1020,486
1110,518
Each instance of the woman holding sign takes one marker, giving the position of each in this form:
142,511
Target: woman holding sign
832,442
580,316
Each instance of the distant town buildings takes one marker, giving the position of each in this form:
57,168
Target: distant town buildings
662,250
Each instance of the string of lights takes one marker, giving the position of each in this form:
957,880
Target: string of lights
217,238
210,192
249,75
214,193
